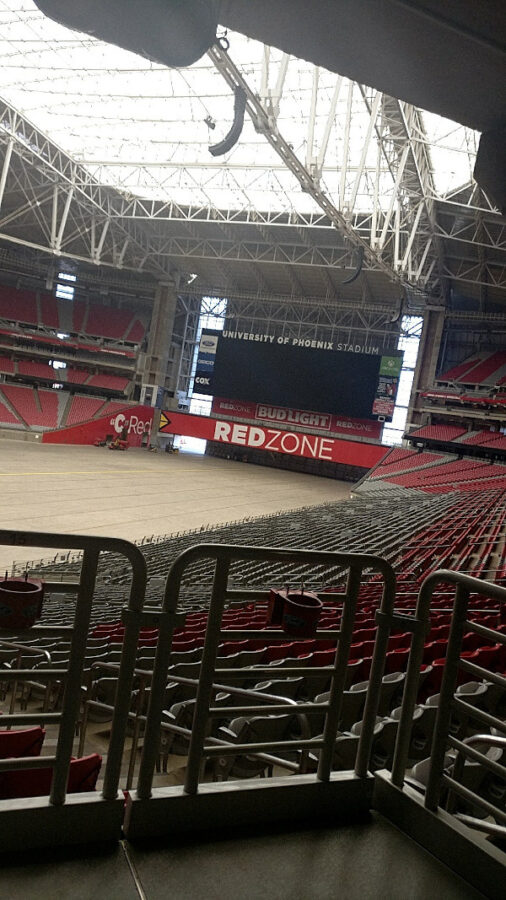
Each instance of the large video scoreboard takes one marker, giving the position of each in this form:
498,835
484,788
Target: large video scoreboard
301,373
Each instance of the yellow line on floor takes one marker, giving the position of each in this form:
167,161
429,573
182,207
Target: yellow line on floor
89,472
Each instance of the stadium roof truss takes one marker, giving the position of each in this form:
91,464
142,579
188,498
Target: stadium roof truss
105,161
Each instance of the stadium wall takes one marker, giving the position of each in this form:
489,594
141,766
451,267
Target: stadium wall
275,440
138,422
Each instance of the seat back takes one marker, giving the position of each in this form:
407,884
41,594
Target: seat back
24,742
83,776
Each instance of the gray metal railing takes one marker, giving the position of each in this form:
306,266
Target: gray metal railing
266,704
67,719
222,556
439,780
15,666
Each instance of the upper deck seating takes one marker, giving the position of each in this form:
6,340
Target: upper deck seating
18,306
37,409
457,373
109,382
76,376
485,368
83,408
106,322
7,365
34,369
6,416
49,311
439,432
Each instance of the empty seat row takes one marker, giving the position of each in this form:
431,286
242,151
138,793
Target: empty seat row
30,308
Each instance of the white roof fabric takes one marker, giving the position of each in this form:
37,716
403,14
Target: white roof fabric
141,128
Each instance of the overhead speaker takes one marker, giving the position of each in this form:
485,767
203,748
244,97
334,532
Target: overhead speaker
172,32
490,166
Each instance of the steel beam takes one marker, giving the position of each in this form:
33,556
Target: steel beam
5,168
265,124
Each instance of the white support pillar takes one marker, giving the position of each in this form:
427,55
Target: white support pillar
429,271
264,78
395,189
278,90
397,235
93,238
100,246
5,168
160,336
346,147
424,257
328,125
365,150
312,118
375,199
411,238
123,250
54,217
63,222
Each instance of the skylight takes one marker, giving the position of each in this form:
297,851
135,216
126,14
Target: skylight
142,128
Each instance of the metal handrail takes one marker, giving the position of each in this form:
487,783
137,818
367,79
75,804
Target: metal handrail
465,585
448,700
27,648
21,648
264,699
91,548
221,556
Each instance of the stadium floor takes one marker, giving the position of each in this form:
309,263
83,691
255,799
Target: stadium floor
89,490
368,861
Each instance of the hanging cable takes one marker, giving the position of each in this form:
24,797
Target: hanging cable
230,140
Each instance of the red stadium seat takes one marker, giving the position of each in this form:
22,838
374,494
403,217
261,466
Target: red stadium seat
396,661
24,742
83,776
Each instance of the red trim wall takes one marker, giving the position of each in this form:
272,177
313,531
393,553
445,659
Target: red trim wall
272,439
284,417
138,420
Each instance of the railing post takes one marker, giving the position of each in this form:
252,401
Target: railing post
222,555
125,678
91,547
448,685
158,681
72,696
205,688
339,676
375,676
410,692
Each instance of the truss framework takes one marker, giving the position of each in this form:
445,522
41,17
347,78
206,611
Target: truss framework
411,235
68,212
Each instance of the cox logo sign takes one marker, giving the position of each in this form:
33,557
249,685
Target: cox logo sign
134,424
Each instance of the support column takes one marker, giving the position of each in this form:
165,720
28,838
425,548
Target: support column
426,366
157,376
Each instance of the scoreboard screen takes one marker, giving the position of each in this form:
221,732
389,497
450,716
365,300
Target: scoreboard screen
291,372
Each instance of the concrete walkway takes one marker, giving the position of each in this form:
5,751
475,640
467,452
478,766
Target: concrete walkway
370,861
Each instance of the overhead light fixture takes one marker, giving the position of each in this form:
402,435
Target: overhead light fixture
192,277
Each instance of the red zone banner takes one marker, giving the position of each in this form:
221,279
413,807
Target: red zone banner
137,420
270,438
280,415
